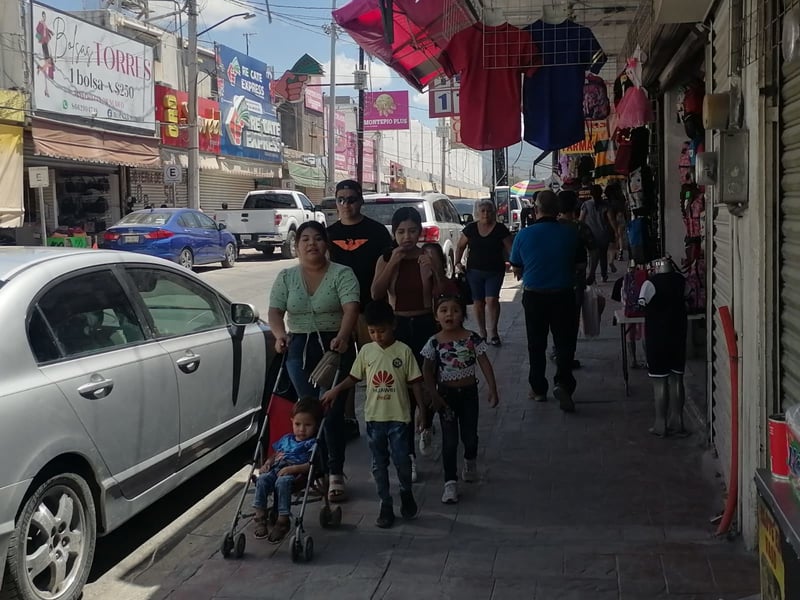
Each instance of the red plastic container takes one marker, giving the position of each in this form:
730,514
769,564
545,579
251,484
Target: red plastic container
778,446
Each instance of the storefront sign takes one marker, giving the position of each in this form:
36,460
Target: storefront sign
250,127
369,161
455,133
341,142
12,106
443,97
313,96
596,131
87,71
385,110
12,209
172,114
773,575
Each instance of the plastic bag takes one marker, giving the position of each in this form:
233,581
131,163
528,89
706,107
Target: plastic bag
590,312
324,374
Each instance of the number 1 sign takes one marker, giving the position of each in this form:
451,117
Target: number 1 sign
443,98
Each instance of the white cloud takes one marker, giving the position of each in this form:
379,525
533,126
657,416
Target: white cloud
420,98
211,12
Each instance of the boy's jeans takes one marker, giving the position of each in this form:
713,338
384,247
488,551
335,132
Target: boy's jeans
463,403
266,484
385,439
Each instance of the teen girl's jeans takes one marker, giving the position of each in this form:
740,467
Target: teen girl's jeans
463,416
414,332
302,356
266,484
389,439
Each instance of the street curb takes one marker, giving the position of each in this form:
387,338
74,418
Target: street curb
141,559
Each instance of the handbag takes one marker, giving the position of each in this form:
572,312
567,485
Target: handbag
324,374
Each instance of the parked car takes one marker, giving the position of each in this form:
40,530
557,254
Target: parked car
182,235
515,204
466,207
269,219
123,376
328,207
441,222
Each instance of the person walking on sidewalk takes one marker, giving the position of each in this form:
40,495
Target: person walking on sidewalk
449,371
389,368
595,214
410,278
544,256
356,242
489,244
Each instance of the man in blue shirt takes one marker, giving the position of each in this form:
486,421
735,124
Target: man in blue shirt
544,256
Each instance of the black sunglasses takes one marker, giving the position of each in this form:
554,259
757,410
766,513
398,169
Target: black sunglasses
347,199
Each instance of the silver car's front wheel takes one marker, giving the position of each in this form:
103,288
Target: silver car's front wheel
52,547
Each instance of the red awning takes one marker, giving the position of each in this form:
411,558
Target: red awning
422,30
60,140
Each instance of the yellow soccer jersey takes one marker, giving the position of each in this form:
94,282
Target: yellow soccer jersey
388,372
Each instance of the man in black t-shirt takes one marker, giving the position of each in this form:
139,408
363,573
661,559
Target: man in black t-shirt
357,242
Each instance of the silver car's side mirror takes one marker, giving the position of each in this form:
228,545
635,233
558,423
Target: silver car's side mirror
243,314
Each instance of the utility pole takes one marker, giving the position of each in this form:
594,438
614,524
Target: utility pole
247,41
360,128
443,132
332,111
193,174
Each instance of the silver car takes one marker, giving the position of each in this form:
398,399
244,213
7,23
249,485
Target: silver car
123,376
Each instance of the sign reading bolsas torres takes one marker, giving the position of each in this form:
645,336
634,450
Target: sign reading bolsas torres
250,127
83,70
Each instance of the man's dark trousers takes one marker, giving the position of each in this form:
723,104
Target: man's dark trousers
547,312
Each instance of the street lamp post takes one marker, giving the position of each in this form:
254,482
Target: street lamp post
193,174
332,111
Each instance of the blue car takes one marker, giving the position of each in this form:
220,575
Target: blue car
182,235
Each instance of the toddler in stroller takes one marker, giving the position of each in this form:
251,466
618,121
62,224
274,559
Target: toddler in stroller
285,469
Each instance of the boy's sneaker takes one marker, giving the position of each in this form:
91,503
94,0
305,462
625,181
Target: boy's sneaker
564,398
386,518
470,471
426,442
450,494
413,468
408,506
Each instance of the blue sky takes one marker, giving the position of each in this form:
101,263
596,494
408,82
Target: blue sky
296,29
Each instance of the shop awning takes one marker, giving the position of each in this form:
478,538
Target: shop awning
306,175
11,200
59,140
420,31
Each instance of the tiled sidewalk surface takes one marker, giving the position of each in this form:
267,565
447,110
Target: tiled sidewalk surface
581,507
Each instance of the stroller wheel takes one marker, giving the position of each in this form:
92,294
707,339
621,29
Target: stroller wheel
336,517
296,548
308,549
241,542
227,545
325,517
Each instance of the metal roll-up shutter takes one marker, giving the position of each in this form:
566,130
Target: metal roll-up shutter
217,187
150,183
721,288
790,235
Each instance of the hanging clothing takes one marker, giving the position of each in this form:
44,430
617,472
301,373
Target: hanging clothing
553,96
491,60
665,323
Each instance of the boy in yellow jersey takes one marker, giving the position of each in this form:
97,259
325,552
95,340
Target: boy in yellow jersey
390,369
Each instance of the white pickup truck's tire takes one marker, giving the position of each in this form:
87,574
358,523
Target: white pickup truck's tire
289,248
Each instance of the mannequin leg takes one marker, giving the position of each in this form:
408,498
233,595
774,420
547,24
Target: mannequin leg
661,402
677,397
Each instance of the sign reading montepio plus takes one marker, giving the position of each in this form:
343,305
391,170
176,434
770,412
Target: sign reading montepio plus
250,127
385,110
87,71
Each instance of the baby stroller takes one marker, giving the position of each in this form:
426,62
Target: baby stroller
277,416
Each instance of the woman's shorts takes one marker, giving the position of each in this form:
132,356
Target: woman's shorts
485,284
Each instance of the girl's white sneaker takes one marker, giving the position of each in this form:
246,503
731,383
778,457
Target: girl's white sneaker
450,494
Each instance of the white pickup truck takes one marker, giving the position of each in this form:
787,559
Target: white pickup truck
269,219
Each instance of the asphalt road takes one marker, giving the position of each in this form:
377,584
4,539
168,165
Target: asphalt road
249,281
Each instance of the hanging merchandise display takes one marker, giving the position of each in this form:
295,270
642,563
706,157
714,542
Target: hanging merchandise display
690,109
553,97
490,87
596,105
634,110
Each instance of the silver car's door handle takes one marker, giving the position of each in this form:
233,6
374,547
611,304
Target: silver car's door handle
98,387
188,363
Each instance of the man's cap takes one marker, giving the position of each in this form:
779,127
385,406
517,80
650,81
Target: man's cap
349,184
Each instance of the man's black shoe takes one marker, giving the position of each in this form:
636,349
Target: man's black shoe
408,506
386,518
564,398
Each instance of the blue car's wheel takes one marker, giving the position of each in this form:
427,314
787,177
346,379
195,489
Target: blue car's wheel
230,256
186,258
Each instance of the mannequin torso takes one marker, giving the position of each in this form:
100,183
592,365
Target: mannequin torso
555,13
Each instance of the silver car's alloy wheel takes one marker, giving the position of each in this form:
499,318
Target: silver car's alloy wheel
52,548
186,259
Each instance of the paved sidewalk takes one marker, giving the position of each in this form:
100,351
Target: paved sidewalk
581,507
